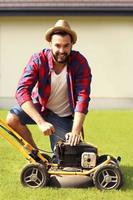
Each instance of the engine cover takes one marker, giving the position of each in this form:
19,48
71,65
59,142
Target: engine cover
82,155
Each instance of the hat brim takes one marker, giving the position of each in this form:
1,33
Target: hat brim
50,31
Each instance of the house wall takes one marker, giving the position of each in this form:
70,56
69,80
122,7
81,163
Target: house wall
107,43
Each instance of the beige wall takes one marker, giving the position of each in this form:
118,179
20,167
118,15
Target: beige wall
107,42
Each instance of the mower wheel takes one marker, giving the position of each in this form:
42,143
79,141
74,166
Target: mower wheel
108,177
34,176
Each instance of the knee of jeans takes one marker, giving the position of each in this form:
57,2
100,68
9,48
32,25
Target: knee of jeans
12,119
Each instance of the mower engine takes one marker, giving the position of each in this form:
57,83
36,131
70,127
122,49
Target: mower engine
82,155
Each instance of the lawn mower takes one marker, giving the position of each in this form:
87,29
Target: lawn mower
81,161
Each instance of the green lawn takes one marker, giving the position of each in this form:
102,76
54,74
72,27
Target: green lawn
110,130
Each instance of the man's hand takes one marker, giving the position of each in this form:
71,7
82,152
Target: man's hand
46,128
73,139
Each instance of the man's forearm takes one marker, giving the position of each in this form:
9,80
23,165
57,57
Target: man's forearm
30,109
45,127
78,122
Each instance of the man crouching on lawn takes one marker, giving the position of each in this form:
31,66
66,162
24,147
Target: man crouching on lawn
53,91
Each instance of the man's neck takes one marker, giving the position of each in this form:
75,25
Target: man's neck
58,67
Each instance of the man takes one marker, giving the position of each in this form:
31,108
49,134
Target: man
53,91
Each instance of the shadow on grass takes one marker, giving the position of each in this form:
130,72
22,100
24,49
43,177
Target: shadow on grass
128,177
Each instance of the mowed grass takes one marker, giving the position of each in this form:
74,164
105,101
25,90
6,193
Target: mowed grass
111,131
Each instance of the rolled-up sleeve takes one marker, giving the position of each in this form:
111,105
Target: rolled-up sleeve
82,86
27,81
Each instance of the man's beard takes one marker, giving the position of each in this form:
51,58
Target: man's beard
61,57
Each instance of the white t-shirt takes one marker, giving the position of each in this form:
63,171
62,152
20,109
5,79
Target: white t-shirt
58,101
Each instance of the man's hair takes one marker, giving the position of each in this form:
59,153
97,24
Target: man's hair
62,33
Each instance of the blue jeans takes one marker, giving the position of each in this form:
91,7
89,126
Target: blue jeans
62,125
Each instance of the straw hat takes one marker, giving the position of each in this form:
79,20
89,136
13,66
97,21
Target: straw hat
61,25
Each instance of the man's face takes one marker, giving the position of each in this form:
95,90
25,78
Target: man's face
61,47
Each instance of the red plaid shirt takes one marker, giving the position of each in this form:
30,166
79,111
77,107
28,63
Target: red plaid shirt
36,78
